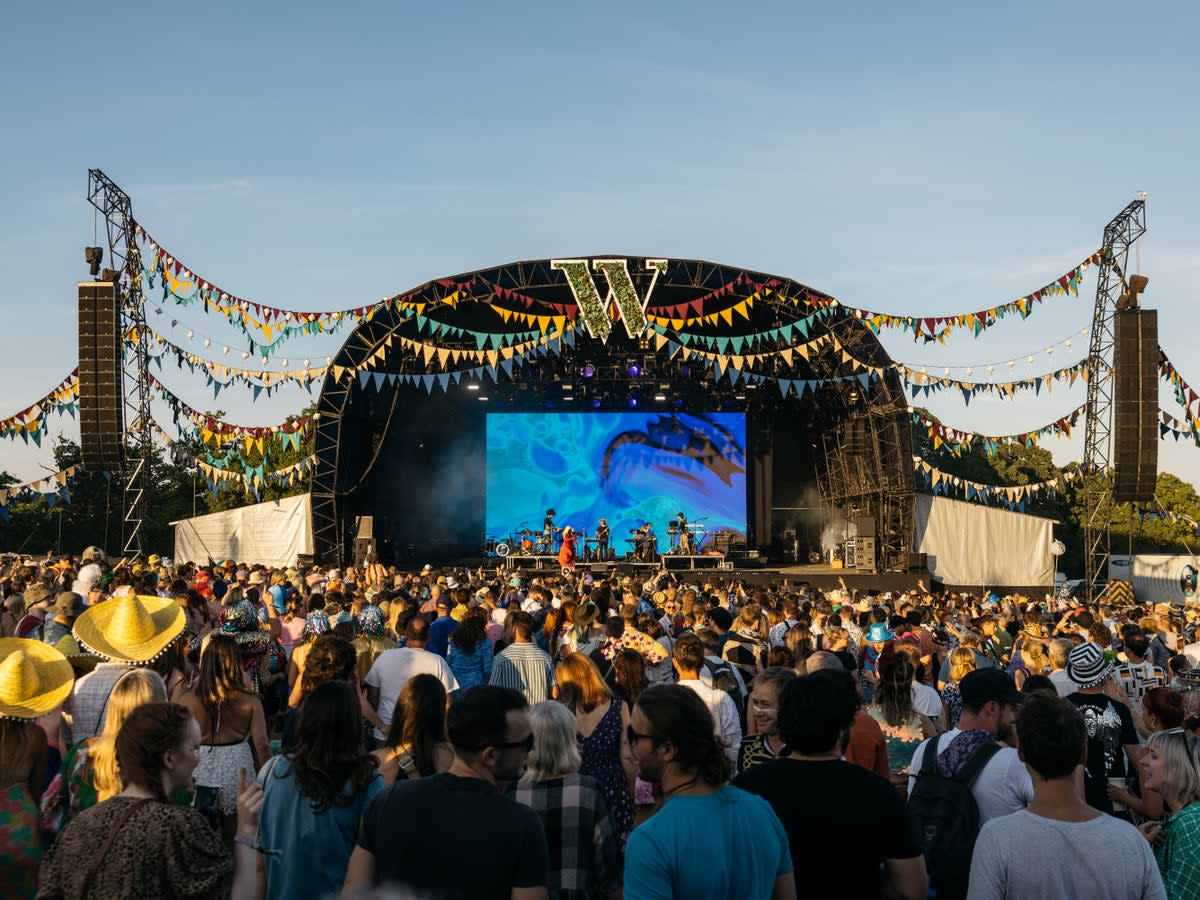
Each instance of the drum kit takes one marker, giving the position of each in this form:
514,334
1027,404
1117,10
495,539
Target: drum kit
526,542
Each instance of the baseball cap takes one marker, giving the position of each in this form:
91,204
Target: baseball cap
983,685
722,618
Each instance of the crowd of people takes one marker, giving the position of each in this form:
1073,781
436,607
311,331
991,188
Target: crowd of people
244,730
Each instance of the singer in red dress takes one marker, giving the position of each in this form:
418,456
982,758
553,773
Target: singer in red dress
566,554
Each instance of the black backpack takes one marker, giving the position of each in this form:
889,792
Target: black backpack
944,819
723,679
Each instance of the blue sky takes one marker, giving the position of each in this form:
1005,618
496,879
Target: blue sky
925,160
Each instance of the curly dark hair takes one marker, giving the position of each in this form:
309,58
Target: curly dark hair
629,672
328,750
332,658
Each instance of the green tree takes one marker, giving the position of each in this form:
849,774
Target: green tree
276,454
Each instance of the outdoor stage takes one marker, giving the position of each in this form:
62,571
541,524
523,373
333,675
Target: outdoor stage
460,415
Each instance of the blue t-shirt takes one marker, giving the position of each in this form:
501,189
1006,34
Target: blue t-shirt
725,844
316,847
440,630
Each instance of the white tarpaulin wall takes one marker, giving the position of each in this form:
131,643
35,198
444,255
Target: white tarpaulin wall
272,533
968,544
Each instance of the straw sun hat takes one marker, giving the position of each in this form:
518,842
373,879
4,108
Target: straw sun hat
34,678
131,629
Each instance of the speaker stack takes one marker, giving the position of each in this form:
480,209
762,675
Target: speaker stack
101,383
364,541
1135,405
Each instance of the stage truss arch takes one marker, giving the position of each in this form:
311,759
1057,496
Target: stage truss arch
563,334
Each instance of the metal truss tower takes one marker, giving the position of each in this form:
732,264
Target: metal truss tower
1119,237
117,208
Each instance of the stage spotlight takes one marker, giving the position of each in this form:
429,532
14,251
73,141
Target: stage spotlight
634,370
481,397
595,403
685,371
660,397
472,387
588,371
632,402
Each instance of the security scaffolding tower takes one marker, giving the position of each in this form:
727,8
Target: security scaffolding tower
117,209
1119,236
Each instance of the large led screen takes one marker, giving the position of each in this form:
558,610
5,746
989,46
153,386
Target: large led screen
629,468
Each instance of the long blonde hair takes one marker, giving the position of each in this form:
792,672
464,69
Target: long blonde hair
134,688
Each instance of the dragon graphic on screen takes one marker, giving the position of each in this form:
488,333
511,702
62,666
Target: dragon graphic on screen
630,468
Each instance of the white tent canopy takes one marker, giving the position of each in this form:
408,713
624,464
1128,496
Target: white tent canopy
272,533
969,544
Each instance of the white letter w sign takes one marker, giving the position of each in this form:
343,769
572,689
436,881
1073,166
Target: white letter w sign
595,312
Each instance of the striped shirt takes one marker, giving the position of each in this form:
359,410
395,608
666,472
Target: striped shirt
526,668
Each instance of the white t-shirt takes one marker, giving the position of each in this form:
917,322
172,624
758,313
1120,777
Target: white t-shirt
1064,685
724,713
926,700
1002,788
1024,856
394,668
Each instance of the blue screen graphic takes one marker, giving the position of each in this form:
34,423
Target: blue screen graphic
629,468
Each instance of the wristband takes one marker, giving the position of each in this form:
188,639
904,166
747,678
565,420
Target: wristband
255,846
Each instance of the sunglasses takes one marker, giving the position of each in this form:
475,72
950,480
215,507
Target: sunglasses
526,745
633,736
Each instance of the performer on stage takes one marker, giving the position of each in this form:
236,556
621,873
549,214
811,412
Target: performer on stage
566,555
647,543
603,538
685,536
548,531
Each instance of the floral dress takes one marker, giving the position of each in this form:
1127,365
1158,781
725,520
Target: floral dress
902,740
20,842
953,699
601,751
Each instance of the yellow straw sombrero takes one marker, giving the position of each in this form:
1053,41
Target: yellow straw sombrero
130,629
34,678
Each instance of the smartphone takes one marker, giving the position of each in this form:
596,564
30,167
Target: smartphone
205,797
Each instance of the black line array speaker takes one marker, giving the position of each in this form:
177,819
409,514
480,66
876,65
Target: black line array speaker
1135,405
856,440
101,385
